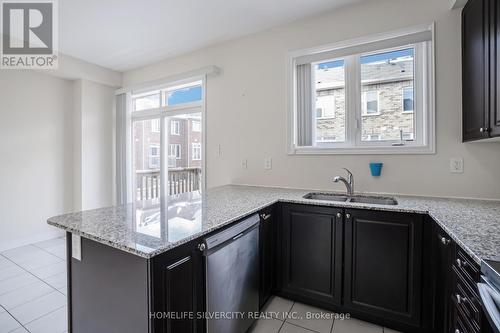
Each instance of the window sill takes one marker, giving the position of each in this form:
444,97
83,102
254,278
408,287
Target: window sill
402,150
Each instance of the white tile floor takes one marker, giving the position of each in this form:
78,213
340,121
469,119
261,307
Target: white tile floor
292,317
33,289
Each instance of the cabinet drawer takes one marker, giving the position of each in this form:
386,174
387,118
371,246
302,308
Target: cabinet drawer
467,300
460,323
466,267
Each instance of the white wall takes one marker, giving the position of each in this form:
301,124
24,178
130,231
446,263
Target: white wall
56,148
247,113
35,152
96,146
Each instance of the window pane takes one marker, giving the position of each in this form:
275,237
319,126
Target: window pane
408,99
146,159
184,156
146,102
184,95
330,102
384,108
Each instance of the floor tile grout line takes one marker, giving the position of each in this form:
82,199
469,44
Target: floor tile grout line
62,306
54,289
21,325
47,251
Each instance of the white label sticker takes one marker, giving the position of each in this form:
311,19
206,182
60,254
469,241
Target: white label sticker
76,247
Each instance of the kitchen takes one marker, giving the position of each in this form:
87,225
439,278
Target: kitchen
331,168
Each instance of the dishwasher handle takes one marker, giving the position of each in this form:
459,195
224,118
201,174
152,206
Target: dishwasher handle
230,234
490,300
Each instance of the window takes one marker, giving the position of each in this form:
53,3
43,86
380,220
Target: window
408,99
196,151
372,137
154,157
175,151
146,102
370,103
196,126
407,136
166,111
155,125
369,95
325,107
181,95
330,101
175,127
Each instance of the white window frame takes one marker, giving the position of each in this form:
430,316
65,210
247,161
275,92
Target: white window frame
198,126
424,90
151,156
175,127
164,112
176,152
196,156
403,100
364,105
155,125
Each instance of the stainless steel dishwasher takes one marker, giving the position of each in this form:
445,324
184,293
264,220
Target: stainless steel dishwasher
232,277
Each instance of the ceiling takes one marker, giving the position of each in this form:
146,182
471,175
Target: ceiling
126,34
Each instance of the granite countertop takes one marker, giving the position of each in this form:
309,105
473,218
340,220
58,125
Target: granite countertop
153,227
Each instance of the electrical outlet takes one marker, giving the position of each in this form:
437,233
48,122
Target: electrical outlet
244,164
456,165
268,163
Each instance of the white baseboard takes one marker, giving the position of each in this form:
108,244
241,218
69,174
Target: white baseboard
11,244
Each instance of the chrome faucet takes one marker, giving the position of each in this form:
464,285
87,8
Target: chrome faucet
349,182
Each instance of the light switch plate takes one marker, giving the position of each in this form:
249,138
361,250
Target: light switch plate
456,165
76,247
268,163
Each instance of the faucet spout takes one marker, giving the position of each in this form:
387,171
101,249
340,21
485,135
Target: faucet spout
349,182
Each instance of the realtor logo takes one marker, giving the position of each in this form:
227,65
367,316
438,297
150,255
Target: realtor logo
29,34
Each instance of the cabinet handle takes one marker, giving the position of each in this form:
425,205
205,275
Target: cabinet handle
484,129
444,240
461,263
347,216
265,216
202,247
460,299
339,215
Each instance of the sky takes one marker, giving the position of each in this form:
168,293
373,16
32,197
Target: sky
185,95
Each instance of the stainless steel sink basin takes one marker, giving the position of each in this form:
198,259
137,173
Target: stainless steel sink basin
353,199
326,197
373,200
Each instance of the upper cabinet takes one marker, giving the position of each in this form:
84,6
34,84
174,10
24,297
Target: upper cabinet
480,70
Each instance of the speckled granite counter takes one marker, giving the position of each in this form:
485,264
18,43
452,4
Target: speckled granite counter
151,228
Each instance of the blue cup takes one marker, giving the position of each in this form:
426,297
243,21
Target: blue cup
376,169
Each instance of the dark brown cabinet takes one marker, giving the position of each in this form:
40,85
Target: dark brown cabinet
480,70
441,262
267,235
178,288
312,254
383,259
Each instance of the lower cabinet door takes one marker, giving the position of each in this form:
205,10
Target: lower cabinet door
178,291
312,253
383,265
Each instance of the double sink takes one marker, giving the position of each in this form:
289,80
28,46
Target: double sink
354,199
